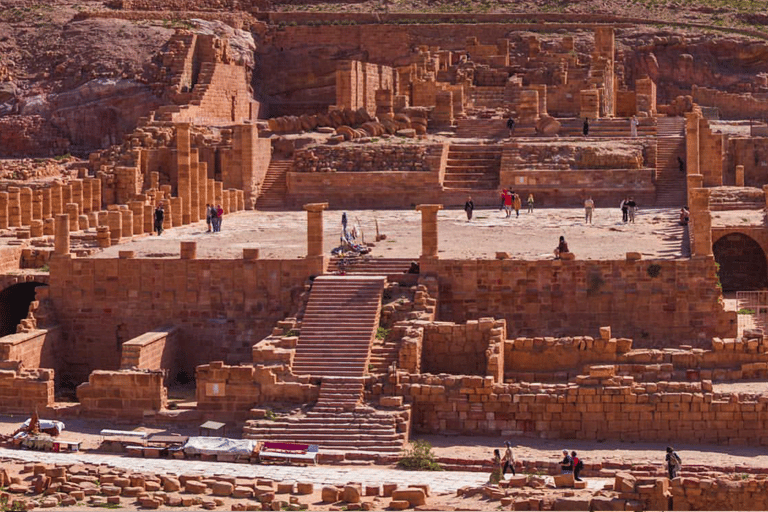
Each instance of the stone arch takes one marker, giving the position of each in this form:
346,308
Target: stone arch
14,305
743,265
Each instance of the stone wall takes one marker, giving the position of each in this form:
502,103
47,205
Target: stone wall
732,105
28,136
35,349
458,349
711,154
649,301
22,391
750,152
595,408
10,258
180,5
129,394
155,350
220,306
229,392
370,158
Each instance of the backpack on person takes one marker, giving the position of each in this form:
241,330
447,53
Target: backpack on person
579,464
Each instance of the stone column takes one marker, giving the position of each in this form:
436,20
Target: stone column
77,193
694,181
210,192
57,205
167,218
194,186
3,210
73,210
429,229
202,183
115,222
701,219
315,256
49,226
66,194
126,221
149,218
87,204
47,203
61,238
36,228
25,203
739,175
137,207
82,221
14,207
218,193
188,250
154,180
37,204
95,194
178,211
240,200
103,238
692,143
183,168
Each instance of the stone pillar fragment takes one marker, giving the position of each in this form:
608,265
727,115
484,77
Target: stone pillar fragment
315,229
3,210
701,221
137,207
77,193
194,187
25,204
149,218
202,183
49,226
429,244
115,222
126,221
57,204
47,203
739,175
61,240
37,204
95,194
188,250
73,210
177,207
183,169
14,207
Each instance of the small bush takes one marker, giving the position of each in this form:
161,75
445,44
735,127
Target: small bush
419,457
746,311
382,333
654,270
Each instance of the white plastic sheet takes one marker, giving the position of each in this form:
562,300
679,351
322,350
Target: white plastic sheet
216,445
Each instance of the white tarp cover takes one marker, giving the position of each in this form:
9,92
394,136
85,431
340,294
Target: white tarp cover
214,445
46,424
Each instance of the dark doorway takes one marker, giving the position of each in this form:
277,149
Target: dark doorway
742,263
14,305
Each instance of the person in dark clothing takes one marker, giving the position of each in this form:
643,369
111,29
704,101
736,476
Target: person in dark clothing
159,218
681,164
566,465
673,462
562,247
631,209
585,127
509,459
414,268
344,221
469,206
624,209
578,465
511,126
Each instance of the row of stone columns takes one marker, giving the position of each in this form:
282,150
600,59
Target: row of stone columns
22,206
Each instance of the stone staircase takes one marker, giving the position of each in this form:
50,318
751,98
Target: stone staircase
489,97
338,327
493,128
274,187
472,167
393,268
607,127
383,354
670,143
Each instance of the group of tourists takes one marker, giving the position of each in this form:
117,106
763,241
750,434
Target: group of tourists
570,464
213,215
628,209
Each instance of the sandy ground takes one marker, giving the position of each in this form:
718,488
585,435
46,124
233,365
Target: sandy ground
531,236
742,218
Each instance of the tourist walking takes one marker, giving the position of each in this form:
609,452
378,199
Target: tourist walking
631,209
673,462
530,203
680,164
566,465
561,248
503,196
469,206
159,219
633,126
589,205
508,459
508,203
578,465
685,216
219,216
344,222
624,209
517,202
585,127
496,474
208,217
511,126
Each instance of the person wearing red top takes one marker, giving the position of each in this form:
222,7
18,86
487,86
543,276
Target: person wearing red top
508,203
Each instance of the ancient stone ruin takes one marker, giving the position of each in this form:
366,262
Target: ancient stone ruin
267,112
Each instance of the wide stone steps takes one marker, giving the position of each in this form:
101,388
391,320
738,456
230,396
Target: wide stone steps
274,187
670,182
338,326
472,166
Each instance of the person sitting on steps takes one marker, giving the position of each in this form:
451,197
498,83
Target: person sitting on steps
561,248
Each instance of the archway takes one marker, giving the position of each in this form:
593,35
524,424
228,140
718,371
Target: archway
742,263
14,305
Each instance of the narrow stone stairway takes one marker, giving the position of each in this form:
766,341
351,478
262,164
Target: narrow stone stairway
670,143
472,167
339,326
274,187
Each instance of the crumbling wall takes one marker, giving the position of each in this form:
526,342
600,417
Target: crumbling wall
752,153
27,136
10,258
23,391
155,350
732,105
34,349
129,394
649,301
458,349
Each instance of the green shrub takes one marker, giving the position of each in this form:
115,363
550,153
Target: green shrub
419,457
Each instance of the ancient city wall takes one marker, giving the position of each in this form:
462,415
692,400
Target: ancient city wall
614,408
122,394
220,306
648,301
34,349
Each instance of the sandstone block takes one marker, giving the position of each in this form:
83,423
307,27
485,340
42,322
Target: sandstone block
222,489
564,480
602,371
330,494
195,487
171,484
351,494
242,492
388,489
399,504
415,497
517,481
285,487
110,490
305,488
132,492
624,482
